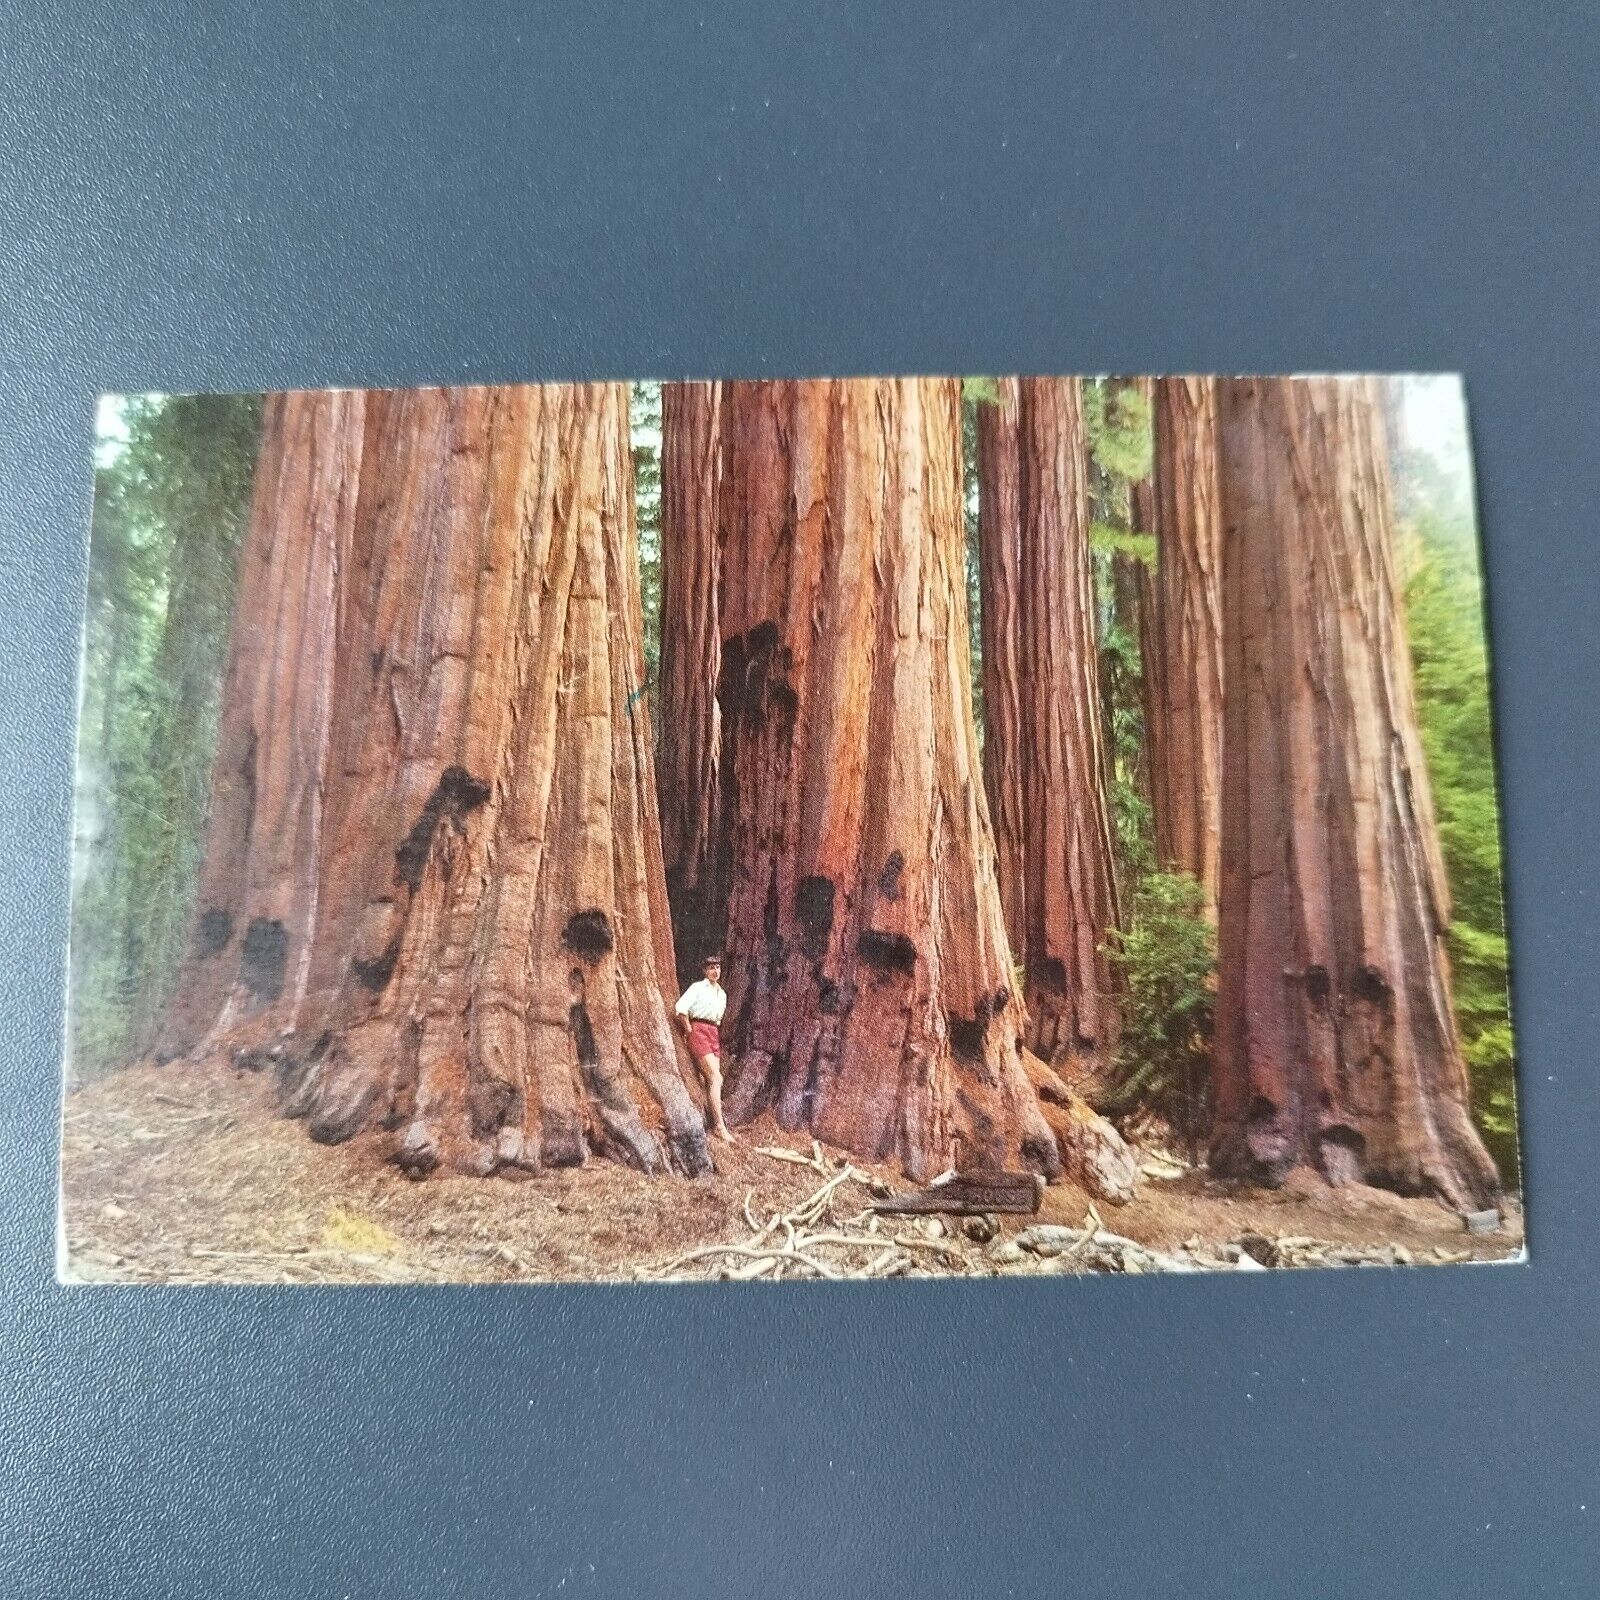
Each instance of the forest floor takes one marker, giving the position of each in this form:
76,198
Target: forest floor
183,1175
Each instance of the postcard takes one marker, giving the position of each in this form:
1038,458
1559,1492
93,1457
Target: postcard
786,830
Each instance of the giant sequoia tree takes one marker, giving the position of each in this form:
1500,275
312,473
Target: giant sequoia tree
433,890
872,997
1181,634
689,734
1336,1043
1044,753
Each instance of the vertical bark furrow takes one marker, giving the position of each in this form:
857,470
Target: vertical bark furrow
689,738
1000,578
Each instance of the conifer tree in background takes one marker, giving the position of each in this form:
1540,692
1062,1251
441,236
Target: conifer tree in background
1117,429
172,496
1449,645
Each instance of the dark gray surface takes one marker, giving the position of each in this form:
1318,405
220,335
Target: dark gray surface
233,196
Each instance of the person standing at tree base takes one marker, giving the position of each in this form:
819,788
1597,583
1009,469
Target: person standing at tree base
699,1013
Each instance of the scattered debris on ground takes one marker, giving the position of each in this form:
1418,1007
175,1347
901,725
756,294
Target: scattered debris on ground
183,1175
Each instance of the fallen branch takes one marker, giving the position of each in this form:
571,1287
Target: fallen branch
867,1241
778,1153
786,1254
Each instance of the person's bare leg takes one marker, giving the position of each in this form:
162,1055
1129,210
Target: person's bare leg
711,1067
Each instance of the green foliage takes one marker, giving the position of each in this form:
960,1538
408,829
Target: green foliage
980,391
1117,421
172,494
1132,824
1166,956
1444,613
1132,828
1106,538
1118,426
1164,951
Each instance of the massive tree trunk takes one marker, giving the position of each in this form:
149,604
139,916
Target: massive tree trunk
245,973
871,992
486,897
1336,1041
1044,753
1181,623
689,737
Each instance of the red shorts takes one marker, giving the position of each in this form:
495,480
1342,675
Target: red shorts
705,1039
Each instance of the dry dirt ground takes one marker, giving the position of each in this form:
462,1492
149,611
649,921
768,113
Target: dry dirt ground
180,1175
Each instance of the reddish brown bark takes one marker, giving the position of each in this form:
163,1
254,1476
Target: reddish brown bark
491,930
1336,1041
1044,754
689,734
871,991
245,976
1181,634
1004,681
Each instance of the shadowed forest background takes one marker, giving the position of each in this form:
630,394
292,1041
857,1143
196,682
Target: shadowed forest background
172,504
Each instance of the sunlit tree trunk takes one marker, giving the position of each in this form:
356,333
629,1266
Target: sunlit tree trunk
1336,1042
872,999
689,735
1044,756
245,973
490,933
1181,625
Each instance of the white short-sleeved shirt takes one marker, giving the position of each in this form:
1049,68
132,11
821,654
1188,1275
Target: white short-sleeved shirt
703,1001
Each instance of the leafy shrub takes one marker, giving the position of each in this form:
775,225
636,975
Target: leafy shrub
1167,959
